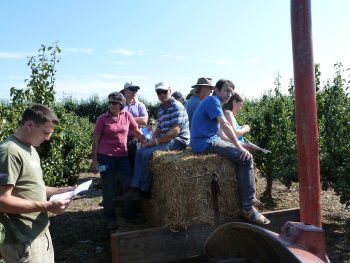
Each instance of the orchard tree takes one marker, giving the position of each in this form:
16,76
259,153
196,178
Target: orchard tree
334,133
41,84
272,121
62,158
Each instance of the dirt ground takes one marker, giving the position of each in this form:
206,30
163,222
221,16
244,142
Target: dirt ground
80,235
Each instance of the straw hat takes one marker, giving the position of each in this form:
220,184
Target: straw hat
203,82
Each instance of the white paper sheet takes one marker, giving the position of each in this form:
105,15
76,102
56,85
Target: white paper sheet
82,187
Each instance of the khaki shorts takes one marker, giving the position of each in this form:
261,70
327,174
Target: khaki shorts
37,250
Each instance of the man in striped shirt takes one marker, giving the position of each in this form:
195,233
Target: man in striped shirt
172,134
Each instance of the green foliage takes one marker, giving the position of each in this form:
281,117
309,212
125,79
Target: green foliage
94,106
272,122
9,119
271,117
334,134
42,79
152,108
90,108
62,158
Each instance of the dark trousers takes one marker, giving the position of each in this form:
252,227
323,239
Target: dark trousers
132,149
116,177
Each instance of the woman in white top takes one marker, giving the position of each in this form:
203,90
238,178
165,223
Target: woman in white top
231,109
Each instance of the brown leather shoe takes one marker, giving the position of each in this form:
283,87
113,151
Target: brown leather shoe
133,194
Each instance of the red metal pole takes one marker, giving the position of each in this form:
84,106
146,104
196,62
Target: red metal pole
306,113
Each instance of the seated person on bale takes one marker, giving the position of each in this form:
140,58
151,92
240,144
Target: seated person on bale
231,109
201,89
172,133
206,121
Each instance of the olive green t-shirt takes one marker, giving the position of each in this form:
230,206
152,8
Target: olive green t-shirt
20,167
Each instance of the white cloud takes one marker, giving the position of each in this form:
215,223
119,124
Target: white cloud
16,55
123,52
127,77
84,88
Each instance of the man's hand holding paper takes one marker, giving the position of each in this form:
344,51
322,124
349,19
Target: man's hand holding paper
69,195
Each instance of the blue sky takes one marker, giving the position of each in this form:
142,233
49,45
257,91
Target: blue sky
106,43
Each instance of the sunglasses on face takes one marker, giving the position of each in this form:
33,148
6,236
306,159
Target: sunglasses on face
133,89
114,103
160,92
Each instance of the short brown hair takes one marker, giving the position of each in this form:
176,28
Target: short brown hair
39,114
222,82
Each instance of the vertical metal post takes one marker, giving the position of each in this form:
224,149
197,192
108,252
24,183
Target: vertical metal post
306,113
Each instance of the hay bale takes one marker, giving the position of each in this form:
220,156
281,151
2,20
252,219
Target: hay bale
181,190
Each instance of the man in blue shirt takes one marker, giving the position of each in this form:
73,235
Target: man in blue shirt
206,122
172,133
202,89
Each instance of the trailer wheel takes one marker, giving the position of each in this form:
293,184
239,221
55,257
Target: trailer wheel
249,242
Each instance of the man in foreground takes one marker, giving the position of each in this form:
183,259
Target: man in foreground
24,208
206,121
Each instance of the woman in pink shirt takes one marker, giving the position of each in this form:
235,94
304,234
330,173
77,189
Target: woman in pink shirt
110,154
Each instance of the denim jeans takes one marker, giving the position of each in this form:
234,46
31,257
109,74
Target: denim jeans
142,177
246,177
117,175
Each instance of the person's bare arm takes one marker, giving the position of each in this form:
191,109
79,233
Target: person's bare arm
233,122
168,136
16,205
227,129
141,121
156,133
139,135
223,136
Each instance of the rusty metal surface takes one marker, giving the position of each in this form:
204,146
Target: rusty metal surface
255,244
306,113
163,245
308,237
